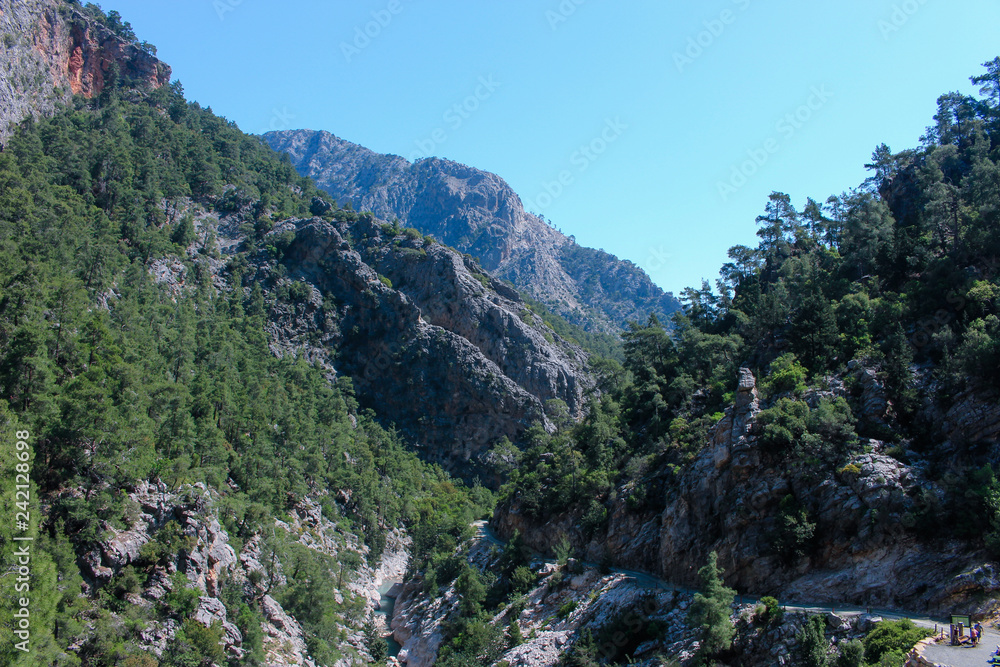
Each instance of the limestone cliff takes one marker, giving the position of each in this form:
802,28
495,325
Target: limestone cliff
451,357
52,50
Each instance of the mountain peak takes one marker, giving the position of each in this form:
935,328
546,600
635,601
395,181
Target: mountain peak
478,213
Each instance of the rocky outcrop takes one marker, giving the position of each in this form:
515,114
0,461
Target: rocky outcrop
477,212
631,538
733,499
552,617
874,406
206,557
730,501
53,50
973,418
451,356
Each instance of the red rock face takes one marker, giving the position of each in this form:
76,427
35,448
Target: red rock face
74,67
80,54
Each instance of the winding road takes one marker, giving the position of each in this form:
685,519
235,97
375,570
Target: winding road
942,654
650,581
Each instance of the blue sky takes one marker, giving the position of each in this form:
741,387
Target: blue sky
654,130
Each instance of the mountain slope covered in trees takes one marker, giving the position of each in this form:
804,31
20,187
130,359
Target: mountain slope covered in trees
205,357
834,398
132,353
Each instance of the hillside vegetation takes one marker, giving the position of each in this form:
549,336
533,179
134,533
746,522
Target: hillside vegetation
900,275
118,378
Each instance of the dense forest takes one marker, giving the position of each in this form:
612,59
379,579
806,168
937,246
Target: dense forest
899,276
118,379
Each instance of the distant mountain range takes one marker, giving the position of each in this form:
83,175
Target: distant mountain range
478,213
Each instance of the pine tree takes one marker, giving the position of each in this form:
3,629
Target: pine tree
813,648
711,610
376,644
514,635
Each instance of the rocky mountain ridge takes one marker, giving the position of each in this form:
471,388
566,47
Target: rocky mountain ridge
450,356
478,213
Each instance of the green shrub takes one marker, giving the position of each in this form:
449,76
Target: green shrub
785,374
594,519
184,234
850,469
782,425
892,639
472,591
566,609
181,601
299,292
769,611
523,580
850,654
795,531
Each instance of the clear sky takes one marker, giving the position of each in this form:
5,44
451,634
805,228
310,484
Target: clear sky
621,122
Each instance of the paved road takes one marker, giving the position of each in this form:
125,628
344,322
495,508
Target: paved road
955,656
964,656
795,606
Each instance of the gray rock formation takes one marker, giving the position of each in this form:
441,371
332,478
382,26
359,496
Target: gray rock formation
478,213
209,556
865,549
451,356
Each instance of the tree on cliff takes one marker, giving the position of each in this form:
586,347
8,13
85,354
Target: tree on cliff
711,611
